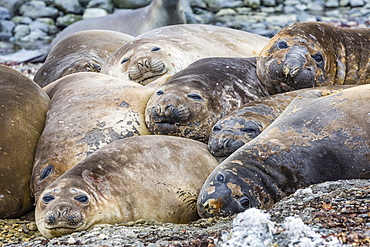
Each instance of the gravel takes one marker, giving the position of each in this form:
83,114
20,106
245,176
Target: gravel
328,214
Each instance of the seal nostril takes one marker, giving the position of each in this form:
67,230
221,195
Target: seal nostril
158,109
168,110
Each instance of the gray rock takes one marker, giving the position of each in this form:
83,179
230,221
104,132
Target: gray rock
243,10
51,28
26,20
305,17
11,5
317,6
290,9
269,3
68,19
255,228
130,4
216,5
343,3
36,9
332,3
68,6
102,4
201,16
226,11
357,3
6,29
94,12
35,25
20,31
198,4
252,3
354,13
35,35
268,9
4,13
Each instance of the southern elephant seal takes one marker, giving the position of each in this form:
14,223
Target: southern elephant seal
142,177
79,52
245,123
194,99
167,50
87,111
133,22
23,106
311,54
317,138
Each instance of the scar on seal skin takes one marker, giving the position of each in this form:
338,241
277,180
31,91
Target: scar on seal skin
321,136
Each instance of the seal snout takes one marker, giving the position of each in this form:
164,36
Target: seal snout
146,69
164,112
212,207
63,216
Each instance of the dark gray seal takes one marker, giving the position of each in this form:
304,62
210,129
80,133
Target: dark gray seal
311,54
23,106
316,139
194,99
143,177
248,121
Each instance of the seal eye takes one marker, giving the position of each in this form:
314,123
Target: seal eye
244,202
282,45
155,49
216,128
47,198
82,198
125,60
195,96
220,178
46,172
318,58
159,92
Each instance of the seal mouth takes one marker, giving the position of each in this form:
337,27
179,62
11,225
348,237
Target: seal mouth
150,79
62,225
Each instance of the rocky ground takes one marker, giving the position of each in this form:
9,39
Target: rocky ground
329,214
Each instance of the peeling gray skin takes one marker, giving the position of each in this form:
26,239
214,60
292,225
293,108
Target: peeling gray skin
194,99
143,177
102,110
248,121
313,54
321,136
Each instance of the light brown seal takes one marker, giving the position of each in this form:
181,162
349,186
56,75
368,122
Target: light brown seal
87,111
248,121
23,106
311,54
168,50
83,51
194,99
142,177
317,138
133,22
